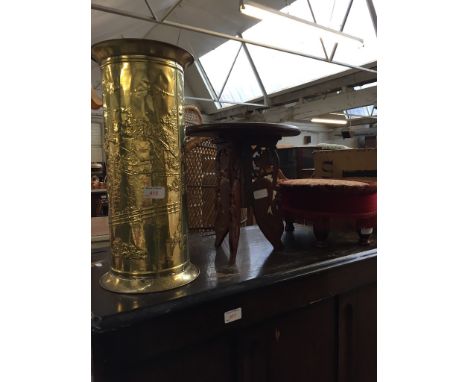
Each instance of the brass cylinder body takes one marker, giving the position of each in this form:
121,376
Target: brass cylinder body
143,92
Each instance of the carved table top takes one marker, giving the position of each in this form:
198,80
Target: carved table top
245,131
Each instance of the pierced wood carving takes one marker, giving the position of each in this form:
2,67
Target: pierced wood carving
246,177
265,194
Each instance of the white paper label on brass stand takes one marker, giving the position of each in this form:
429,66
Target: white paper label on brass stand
260,194
154,192
232,315
366,231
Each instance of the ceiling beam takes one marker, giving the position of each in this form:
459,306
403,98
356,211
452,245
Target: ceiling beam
362,121
349,78
266,101
229,72
358,132
176,4
321,39
350,4
151,11
320,87
331,103
373,14
220,35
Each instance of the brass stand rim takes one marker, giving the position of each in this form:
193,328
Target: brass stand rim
114,282
150,274
131,46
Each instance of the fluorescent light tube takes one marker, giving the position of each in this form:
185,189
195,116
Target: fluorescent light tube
331,121
262,12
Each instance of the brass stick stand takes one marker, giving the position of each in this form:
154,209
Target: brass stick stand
143,92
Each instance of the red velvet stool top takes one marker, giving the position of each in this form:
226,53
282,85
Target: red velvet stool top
309,198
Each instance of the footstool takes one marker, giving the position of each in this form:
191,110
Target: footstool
316,201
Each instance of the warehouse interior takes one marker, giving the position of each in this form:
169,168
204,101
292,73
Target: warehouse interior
247,250
335,83
280,160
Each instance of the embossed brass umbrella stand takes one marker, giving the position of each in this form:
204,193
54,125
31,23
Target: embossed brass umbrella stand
143,92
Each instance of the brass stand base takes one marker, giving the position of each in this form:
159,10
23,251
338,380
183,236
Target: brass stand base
121,284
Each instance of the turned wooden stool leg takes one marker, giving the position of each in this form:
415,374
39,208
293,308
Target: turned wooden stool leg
321,230
365,234
289,225
365,228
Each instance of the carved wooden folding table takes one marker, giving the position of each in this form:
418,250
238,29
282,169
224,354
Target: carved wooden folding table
247,168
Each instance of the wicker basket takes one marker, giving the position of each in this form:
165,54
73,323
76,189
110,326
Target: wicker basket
200,176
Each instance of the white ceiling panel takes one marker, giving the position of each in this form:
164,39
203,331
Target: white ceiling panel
277,70
217,15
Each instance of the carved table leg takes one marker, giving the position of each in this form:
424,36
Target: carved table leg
223,190
235,206
265,194
228,201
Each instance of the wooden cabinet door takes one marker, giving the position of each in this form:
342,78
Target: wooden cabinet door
210,361
300,346
357,335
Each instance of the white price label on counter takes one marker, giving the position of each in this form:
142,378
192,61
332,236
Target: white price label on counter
154,192
260,194
232,315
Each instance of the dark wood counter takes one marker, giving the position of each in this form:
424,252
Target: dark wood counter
303,292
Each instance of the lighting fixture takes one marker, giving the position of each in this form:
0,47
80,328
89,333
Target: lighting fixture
331,121
262,12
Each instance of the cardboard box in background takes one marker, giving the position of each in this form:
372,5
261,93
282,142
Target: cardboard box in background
346,164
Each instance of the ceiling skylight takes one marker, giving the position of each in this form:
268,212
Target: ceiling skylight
279,70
